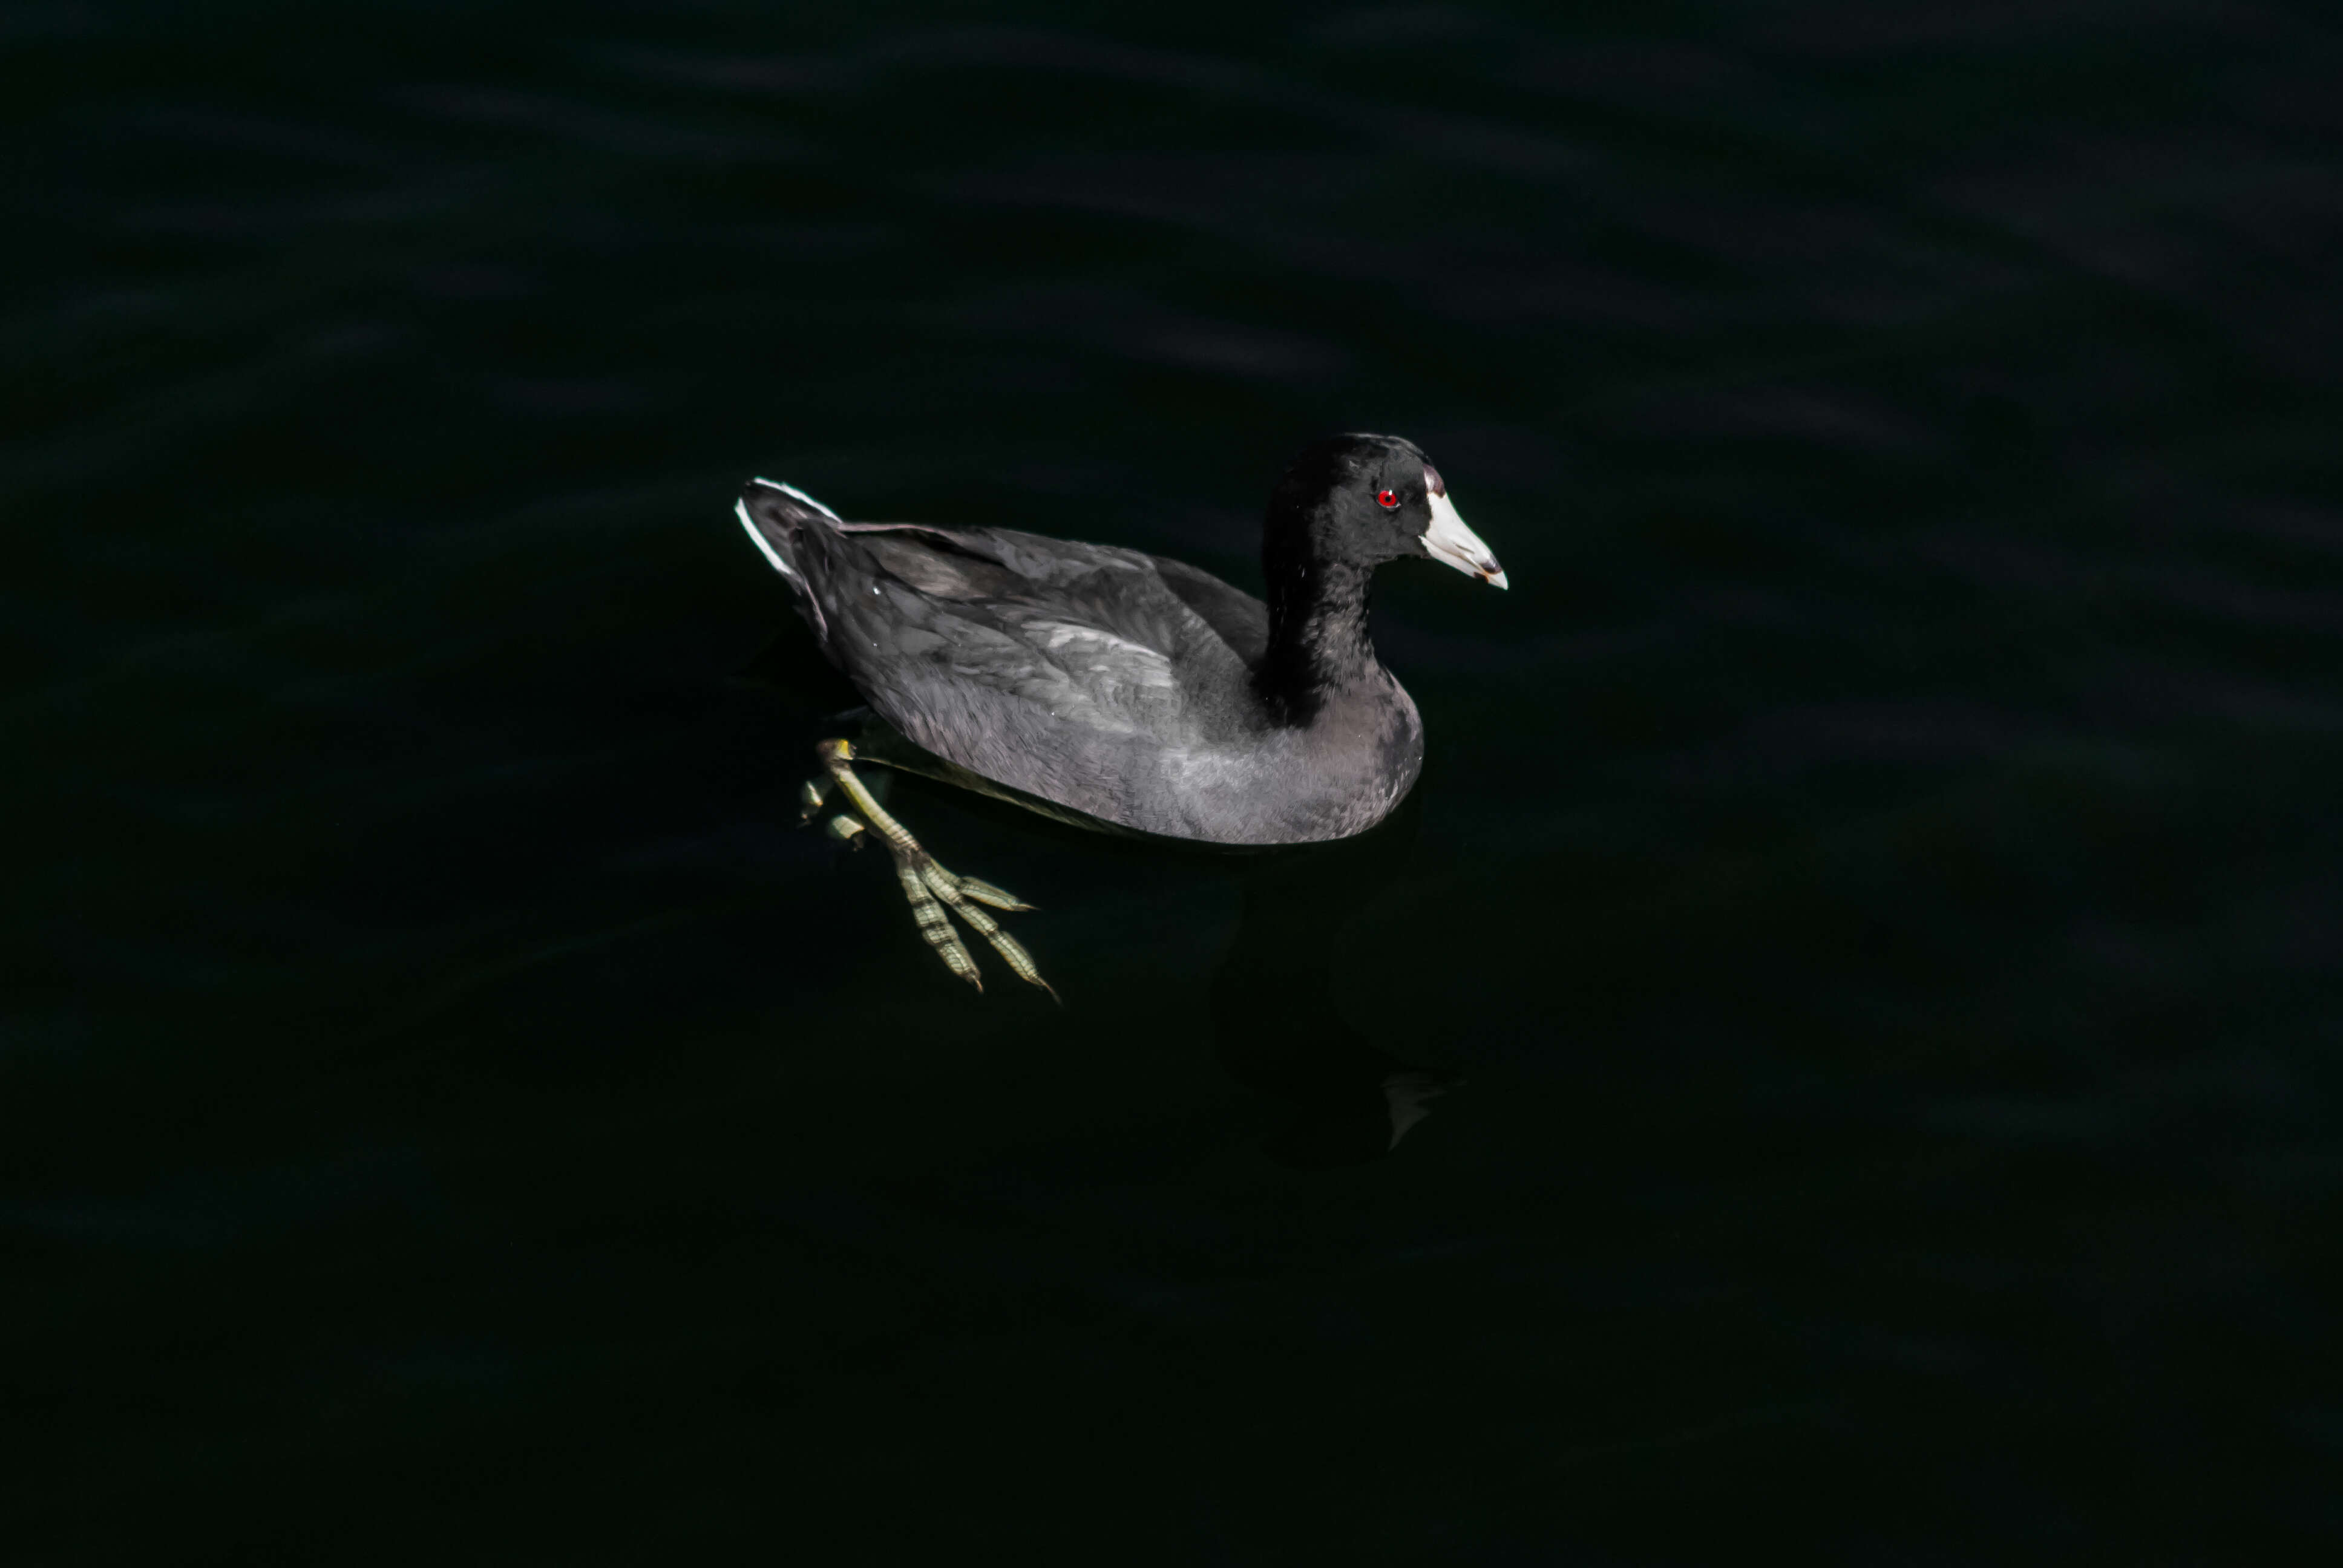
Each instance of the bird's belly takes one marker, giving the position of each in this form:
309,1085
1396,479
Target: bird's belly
1290,791
1293,786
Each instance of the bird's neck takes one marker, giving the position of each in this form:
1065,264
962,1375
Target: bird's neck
1318,649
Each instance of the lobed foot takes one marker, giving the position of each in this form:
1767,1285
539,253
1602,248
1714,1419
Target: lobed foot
931,890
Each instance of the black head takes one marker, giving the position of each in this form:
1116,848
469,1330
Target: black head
1362,500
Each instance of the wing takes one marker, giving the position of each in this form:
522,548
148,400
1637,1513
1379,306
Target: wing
1238,619
1063,670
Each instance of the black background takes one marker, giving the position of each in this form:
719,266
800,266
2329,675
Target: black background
1874,878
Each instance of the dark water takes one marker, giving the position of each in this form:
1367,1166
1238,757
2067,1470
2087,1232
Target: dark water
1872,901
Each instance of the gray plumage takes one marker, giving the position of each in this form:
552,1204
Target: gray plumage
1135,689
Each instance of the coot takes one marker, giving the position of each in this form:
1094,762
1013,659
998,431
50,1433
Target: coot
1124,687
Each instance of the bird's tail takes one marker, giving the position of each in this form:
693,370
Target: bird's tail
775,516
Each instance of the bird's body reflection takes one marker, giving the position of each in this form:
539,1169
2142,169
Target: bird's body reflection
1276,1026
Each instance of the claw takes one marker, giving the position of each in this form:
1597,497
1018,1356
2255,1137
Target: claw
986,894
936,926
810,795
929,888
949,888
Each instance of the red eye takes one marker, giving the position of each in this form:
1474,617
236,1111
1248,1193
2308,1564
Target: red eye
1387,498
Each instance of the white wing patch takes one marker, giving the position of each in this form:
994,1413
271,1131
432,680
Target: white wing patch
1106,654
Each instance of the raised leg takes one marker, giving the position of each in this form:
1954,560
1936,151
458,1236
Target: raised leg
929,888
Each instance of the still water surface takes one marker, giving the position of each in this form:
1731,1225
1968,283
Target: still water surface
1865,937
